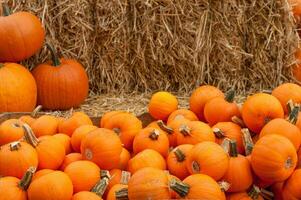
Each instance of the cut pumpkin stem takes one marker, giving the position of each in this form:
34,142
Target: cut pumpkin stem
29,136
181,188
179,155
233,148
247,141
125,177
267,194
122,194
254,192
14,146
238,121
185,130
219,133
101,186
154,134
165,128
293,115
225,186
26,180
55,59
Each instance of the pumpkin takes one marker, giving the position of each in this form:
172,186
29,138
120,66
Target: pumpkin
16,158
200,97
85,195
296,6
253,194
230,130
182,114
11,130
194,132
69,125
45,125
146,158
126,126
118,177
41,173
119,191
291,188
150,138
103,147
221,109
208,158
22,35
18,89
70,158
198,186
62,83
286,92
125,156
299,158
176,161
79,134
149,183
167,130
51,152
64,140
83,174
107,117
55,185
239,166
162,104
274,158
259,109
27,119
12,188
277,190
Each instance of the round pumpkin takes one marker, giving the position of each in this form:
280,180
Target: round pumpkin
70,158
18,89
45,125
64,140
182,114
79,134
291,188
260,109
274,158
118,191
162,104
11,130
85,195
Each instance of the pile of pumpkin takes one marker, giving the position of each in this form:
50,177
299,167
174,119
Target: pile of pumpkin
207,152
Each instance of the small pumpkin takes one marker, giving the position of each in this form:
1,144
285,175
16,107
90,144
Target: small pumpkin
208,158
45,125
118,177
182,114
200,97
11,130
41,173
125,156
119,191
85,195
70,158
79,134
253,194
107,116
146,158
27,119
167,130
259,109
103,147
274,158
64,140
291,188
176,161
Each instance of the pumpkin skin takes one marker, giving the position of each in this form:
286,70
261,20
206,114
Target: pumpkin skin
277,190
182,114
27,119
291,188
107,116
274,158
287,91
112,192
103,147
223,130
162,104
22,34
85,195
125,156
11,130
208,158
176,161
260,108
284,128
16,158
150,138
55,185
126,126
64,140
83,174
146,158
18,89
79,134
149,183
200,97
45,125
299,158
70,158
41,173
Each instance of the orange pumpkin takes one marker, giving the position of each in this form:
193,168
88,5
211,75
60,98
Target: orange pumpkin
125,156
64,140
221,109
119,191
194,132
182,114
41,173
45,125
107,116
55,185
208,158
103,147
166,130
27,119
291,188
85,195
150,138
259,109
274,158
70,158
200,97
230,130
11,130
16,158
253,194
18,89
79,134
146,158
176,161
22,35
299,158
118,177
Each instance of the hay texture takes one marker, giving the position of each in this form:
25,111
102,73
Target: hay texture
149,45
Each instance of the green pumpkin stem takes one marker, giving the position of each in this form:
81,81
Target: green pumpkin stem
254,192
229,96
218,133
122,194
233,148
29,136
247,140
179,155
55,59
181,188
154,134
6,10
26,180
101,186
293,115
165,128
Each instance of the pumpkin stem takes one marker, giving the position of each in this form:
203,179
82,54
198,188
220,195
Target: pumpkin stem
55,60
224,185
229,96
196,168
238,121
218,133
290,105
125,177
181,188
226,145
15,146
233,148
6,10
122,194
185,130
288,163
165,128
26,179
101,186
247,140
293,115
154,134
267,194
29,136
36,111
254,192
117,131
179,155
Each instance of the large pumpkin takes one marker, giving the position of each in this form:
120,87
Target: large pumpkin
18,89
62,83
21,36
